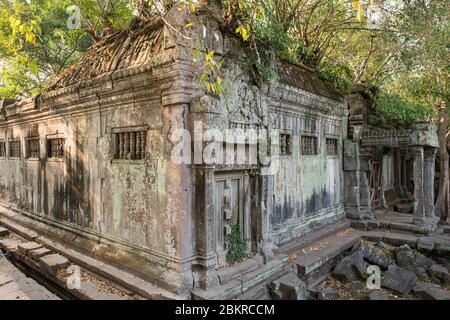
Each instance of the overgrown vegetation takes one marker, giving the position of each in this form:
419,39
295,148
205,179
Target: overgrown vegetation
392,110
236,245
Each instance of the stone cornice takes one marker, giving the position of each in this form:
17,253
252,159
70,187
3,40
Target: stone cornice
422,135
305,100
141,84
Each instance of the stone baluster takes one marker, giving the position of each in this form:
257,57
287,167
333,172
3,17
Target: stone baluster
126,145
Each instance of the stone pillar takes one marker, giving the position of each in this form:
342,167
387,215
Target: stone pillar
398,170
266,207
425,224
205,226
428,181
356,181
419,208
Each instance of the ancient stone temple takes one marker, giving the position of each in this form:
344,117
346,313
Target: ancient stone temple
388,167
89,163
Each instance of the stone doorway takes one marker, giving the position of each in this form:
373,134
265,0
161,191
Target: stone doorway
232,203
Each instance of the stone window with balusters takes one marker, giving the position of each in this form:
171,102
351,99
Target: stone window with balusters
309,145
33,147
55,148
130,145
14,149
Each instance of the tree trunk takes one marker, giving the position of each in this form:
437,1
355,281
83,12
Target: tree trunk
443,200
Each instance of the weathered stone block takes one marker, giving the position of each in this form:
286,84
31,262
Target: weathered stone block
38,253
53,263
8,244
288,287
380,259
429,291
399,279
307,263
439,272
23,248
350,268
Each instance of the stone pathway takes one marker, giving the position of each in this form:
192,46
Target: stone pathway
14,285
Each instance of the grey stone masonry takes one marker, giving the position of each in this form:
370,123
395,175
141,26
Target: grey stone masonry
53,263
14,285
25,247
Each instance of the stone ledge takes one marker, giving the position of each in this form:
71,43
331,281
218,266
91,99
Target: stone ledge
122,278
244,283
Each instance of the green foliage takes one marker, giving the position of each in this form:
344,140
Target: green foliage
36,43
337,76
236,246
396,111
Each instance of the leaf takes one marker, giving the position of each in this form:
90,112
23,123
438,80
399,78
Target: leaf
189,25
243,32
209,55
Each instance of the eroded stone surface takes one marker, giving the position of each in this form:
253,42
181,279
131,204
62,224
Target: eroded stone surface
399,279
428,291
53,263
25,247
350,268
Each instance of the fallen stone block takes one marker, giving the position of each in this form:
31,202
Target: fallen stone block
380,259
424,262
53,263
377,295
288,287
439,272
4,232
307,263
365,250
381,244
429,291
8,244
406,259
24,247
350,268
36,254
399,279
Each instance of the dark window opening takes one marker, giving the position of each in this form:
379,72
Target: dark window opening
14,148
33,148
285,144
55,148
2,149
332,147
309,145
130,145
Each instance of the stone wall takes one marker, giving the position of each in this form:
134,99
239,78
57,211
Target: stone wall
307,188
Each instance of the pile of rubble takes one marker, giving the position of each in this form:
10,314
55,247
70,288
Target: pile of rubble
404,274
